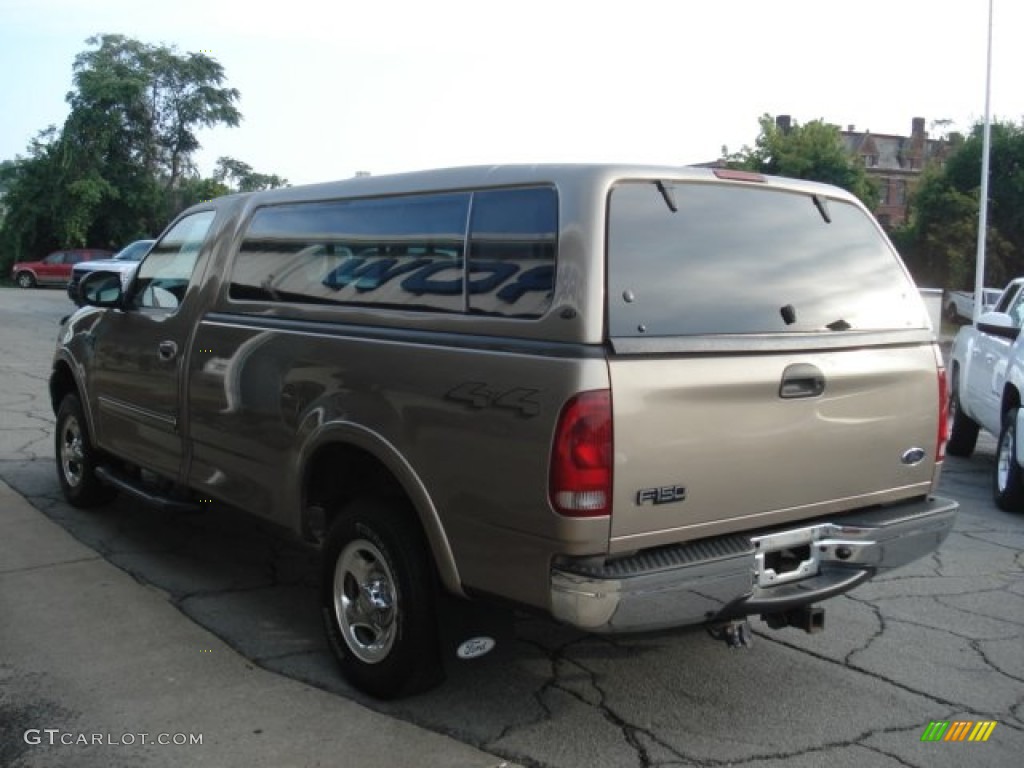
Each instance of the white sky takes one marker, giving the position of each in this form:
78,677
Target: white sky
331,87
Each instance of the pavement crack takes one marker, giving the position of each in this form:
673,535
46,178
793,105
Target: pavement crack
891,755
975,646
974,537
46,566
968,611
867,672
537,695
847,660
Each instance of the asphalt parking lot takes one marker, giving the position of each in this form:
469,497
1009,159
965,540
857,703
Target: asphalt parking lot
941,640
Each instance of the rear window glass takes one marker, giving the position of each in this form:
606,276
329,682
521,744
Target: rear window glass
406,252
741,260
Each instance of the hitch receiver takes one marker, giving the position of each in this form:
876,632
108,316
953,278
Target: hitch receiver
809,618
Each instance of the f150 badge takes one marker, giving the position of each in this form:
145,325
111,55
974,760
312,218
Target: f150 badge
666,494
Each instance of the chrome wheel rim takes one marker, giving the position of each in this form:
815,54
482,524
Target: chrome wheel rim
1004,458
72,454
365,601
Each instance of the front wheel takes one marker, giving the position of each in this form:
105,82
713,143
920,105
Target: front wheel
378,600
77,458
1008,479
25,280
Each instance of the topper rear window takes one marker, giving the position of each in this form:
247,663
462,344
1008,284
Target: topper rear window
748,260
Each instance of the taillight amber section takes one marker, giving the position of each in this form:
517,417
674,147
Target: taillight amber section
580,478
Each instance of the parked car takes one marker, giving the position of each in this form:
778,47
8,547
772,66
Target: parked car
986,386
959,306
124,263
631,398
55,269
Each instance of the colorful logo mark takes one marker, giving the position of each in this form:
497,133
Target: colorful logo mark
958,730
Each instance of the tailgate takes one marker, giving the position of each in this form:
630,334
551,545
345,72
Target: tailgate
772,359
706,444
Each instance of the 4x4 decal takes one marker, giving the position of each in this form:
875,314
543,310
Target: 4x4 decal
478,395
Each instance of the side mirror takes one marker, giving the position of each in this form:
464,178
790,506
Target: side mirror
998,324
101,289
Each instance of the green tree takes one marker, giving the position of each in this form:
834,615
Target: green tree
940,239
811,151
160,98
28,202
123,162
243,178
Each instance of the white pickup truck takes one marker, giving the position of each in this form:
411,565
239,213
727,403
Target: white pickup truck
958,306
986,379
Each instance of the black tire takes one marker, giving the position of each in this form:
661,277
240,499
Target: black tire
963,433
25,280
951,314
376,552
76,458
1007,477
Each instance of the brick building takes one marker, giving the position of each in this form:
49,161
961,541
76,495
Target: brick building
896,162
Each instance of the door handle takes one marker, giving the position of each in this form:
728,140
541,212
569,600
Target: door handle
801,380
167,350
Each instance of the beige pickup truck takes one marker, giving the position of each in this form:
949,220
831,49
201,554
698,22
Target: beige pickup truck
628,397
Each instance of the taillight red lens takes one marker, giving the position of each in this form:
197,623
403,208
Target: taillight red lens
940,446
580,480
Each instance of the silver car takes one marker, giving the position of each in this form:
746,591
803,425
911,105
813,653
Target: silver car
123,262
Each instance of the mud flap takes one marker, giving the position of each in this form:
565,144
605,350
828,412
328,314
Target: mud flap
472,632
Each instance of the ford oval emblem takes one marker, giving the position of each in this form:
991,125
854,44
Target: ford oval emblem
913,456
475,647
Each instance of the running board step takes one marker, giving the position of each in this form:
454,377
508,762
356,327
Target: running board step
131,486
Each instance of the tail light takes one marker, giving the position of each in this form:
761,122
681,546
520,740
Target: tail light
940,445
580,478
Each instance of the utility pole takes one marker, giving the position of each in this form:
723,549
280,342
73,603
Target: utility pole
979,264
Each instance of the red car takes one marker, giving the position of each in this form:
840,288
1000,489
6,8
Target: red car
55,269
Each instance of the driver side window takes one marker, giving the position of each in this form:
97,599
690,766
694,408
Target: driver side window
165,273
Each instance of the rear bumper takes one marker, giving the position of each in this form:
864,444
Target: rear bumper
740,575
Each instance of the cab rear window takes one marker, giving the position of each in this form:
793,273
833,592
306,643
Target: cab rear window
736,259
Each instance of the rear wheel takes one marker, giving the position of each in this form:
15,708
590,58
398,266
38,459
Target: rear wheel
963,435
378,600
77,458
25,280
1008,479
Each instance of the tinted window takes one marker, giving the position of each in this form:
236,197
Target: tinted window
745,260
165,273
402,252
405,252
512,251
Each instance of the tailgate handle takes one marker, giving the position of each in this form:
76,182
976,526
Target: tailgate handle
801,380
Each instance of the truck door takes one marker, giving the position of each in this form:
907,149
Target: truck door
141,349
989,359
